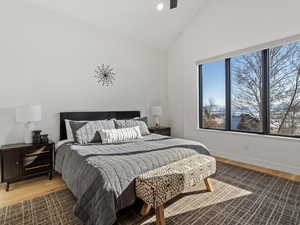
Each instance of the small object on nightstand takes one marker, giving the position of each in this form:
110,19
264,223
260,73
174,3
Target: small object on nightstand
36,136
44,138
161,130
21,161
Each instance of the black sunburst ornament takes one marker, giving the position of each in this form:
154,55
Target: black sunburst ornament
104,75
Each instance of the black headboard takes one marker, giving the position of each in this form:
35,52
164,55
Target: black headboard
90,116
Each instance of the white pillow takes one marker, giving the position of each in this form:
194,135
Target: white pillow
114,136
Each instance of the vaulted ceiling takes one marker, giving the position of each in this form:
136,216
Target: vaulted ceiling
137,19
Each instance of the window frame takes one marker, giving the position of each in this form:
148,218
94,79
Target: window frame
200,88
265,98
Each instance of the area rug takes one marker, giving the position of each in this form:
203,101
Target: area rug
240,196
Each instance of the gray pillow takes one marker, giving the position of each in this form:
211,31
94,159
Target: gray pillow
145,119
88,132
133,123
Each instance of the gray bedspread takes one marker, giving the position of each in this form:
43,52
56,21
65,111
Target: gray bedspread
101,177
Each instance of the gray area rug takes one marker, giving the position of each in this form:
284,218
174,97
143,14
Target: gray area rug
240,196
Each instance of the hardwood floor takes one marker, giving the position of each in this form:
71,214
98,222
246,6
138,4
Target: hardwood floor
29,189
39,186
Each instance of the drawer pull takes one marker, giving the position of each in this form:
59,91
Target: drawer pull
37,167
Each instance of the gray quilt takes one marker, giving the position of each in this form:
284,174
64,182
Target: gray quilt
101,177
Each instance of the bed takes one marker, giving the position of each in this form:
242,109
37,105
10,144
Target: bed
101,176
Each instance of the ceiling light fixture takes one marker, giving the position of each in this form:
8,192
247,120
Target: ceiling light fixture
160,6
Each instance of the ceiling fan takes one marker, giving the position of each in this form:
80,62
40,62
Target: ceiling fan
173,4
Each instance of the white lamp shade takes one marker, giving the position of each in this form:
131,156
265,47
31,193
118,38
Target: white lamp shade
29,113
156,110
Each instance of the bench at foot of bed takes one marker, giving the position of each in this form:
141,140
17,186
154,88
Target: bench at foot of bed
159,211
160,185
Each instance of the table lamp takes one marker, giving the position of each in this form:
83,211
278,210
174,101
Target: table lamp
28,114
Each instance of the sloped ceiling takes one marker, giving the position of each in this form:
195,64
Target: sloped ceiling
137,19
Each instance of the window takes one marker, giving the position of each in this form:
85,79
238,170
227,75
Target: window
213,80
246,92
257,92
285,89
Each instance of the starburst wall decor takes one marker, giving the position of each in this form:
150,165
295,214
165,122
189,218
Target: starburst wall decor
104,75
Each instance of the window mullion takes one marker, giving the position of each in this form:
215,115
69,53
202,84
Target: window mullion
228,94
200,97
265,92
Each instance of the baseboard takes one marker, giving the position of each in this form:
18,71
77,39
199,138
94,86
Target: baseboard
275,169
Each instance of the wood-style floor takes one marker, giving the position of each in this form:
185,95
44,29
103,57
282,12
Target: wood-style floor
36,187
29,189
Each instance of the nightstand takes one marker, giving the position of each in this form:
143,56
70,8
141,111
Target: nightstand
22,161
161,130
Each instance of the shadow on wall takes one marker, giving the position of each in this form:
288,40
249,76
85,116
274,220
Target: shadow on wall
10,130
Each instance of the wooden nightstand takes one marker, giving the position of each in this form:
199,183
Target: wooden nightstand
21,161
161,130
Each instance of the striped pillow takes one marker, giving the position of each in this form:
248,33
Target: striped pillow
88,131
114,136
133,123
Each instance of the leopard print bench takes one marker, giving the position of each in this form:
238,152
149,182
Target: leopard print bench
160,185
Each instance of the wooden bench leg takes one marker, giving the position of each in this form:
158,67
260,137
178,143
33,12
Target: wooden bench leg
160,217
145,209
208,185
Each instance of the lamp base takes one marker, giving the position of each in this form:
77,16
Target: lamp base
29,127
27,139
156,121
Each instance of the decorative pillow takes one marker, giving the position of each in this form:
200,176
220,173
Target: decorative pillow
114,136
88,132
69,130
144,119
133,123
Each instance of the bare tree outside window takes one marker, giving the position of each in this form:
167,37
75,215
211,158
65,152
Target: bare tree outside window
285,89
213,115
246,89
247,84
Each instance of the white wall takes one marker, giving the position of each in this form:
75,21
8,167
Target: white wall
175,87
220,28
49,59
